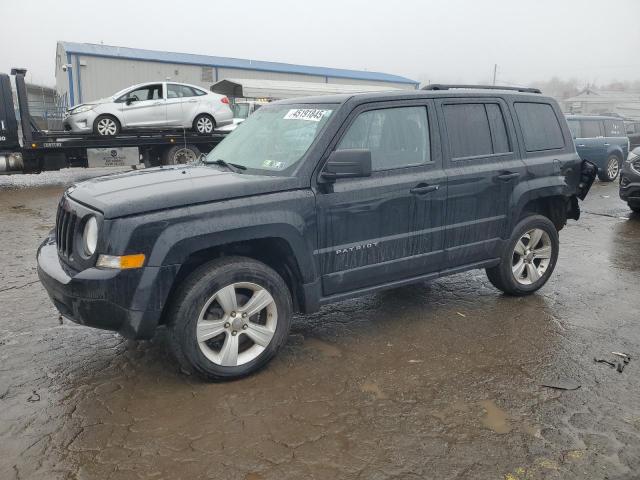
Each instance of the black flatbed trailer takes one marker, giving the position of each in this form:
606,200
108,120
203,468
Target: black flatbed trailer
42,150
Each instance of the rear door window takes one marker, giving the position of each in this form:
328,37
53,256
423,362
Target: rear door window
468,130
591,128
476,129
540,127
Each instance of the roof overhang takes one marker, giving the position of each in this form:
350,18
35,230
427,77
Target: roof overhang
281,89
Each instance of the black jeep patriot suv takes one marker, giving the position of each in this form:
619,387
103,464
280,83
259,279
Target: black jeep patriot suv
312,201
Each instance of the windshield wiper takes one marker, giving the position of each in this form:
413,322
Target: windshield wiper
234,167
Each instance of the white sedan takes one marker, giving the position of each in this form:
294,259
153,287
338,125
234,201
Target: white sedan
152,105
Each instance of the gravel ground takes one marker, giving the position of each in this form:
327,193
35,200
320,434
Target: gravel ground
439,380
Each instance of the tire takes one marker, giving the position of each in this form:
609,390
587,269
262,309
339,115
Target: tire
523,281
106,126
634,208
204,124
197,309
611,170
180,154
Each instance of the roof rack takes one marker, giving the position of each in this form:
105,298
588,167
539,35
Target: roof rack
442,86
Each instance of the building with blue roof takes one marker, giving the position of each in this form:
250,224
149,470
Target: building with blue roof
86,71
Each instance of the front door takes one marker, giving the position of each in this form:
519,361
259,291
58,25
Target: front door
483,169
144,107
386,227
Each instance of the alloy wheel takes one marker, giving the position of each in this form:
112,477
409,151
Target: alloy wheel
531,256
613,168
236,324
204,125
107,127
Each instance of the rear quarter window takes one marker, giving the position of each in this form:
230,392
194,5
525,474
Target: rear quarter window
614,128
540,126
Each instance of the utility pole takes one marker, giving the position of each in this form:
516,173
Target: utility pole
495,71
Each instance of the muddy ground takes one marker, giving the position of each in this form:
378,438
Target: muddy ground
439,380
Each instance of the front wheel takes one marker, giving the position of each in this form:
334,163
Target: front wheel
229,318
611,171
634,208
106,126
529,257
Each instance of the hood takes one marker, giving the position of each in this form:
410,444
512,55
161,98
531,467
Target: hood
93,103
161,188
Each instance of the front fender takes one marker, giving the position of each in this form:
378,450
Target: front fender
169,237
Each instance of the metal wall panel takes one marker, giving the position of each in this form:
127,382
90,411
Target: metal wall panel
349,81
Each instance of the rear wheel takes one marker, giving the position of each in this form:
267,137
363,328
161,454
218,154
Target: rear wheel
634,208
204,124
229,318
529,257
106,126
180,154
611,170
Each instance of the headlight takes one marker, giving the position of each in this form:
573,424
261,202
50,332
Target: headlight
82,109
90,236
633,156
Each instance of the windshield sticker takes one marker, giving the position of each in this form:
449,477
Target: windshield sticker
310,114
275,164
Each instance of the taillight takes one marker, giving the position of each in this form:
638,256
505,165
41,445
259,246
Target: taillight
225,100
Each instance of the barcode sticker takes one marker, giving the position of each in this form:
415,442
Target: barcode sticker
310,114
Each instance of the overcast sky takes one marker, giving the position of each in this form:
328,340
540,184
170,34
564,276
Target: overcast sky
441,41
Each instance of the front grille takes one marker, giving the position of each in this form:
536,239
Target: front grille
66,224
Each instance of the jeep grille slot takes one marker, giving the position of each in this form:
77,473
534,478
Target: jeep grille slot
66,223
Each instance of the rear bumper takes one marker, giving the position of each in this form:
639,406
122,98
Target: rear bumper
127,301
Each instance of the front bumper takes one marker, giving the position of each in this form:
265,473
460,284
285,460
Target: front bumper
127,301
80,122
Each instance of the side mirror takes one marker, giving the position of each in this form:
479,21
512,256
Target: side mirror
347,164
130,100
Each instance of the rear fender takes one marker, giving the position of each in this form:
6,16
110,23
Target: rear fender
588,173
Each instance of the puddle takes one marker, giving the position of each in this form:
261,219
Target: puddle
495,418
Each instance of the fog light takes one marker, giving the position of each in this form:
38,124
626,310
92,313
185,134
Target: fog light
121,262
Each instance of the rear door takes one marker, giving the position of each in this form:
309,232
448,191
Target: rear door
590,145
483,169
389,226
174,104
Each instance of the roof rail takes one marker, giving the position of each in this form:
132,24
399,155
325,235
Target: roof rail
442,86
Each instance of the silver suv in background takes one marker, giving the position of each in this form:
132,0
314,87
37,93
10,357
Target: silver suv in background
151,105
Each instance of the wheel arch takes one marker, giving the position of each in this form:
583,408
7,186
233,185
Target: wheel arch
551,201
275,252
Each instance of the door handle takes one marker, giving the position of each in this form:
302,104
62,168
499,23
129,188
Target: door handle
606,144
508,176
423,188
192,101
582,145
157,103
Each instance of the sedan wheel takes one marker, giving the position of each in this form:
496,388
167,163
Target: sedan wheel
204,124
531,256
236,324
106,127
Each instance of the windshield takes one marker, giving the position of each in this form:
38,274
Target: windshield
274,138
